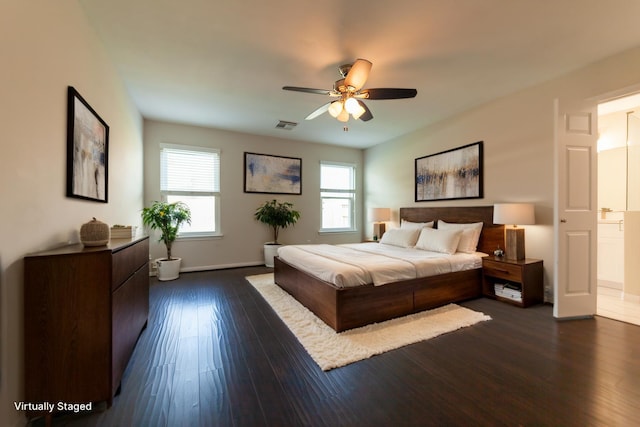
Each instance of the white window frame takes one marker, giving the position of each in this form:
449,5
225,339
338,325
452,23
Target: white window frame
215,194
351,192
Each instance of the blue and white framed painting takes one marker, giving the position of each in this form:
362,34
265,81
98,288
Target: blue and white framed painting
451,174
264,173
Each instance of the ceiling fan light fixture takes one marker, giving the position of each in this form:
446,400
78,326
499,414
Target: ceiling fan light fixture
335,108
339,86
350,93
351,105
359,112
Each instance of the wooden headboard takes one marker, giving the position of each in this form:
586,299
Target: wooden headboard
492,235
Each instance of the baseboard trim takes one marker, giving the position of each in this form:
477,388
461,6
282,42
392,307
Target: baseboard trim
610,284
221,266
631,297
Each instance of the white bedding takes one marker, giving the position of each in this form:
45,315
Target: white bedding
362,263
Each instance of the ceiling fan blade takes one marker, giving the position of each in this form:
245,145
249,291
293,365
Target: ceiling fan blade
387,93
358,74
308,90
366,116
323,109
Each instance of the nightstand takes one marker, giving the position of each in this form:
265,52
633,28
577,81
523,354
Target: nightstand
516,282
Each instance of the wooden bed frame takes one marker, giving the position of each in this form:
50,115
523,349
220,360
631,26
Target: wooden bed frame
347,308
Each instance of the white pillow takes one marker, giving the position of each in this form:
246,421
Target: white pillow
415,225
398,237
470,234
445,241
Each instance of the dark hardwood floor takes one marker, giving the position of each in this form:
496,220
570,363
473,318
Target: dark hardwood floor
215,354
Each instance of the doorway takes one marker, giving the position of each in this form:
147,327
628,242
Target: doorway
618,189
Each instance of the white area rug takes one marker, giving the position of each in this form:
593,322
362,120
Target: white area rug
332,350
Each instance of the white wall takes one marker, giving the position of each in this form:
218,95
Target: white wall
612,161
518,135
46,46
243,236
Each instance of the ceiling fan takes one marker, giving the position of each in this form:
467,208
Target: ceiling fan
350,93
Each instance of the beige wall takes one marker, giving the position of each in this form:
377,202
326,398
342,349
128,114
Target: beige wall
46,46
518,135
243,236
612,161
631,250
518,162
612,179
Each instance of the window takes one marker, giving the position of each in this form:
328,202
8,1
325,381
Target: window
192,175
338,194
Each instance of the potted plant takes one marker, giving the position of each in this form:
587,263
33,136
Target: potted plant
277,215
167,217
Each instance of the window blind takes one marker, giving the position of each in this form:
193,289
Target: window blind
336,177
189,170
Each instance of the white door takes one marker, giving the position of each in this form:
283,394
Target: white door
575,223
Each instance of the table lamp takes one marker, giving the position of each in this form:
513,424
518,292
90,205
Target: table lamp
378,215
514,214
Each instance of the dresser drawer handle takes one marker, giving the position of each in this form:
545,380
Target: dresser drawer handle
502,271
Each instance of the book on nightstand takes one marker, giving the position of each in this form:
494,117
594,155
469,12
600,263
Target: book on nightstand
507,290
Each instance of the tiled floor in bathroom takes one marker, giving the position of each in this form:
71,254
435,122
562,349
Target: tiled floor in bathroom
611,305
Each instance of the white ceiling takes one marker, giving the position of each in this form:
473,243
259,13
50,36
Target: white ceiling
626,103
223,63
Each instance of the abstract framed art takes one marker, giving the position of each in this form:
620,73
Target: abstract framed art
265,173
451,174
87,151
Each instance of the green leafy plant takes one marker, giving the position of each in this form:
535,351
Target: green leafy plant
277,215
166,217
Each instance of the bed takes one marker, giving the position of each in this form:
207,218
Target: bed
347,307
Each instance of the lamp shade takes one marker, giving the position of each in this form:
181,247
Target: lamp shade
359,112
351,105
513,213
380,214
335,108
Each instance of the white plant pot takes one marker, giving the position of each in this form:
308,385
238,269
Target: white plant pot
270,251
168,269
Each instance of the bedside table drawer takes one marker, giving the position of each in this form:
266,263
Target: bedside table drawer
502,271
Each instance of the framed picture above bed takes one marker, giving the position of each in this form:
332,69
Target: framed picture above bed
451,174
264,173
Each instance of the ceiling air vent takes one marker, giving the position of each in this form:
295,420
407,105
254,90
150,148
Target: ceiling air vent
283,124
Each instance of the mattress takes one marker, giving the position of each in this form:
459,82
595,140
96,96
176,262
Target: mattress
359,264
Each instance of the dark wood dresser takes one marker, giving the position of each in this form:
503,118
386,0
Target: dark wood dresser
84,308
